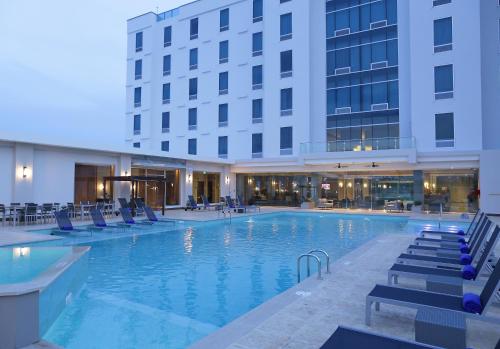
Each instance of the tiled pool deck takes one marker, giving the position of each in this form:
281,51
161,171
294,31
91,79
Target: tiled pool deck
307,314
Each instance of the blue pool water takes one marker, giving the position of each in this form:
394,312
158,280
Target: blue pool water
22,264
169,289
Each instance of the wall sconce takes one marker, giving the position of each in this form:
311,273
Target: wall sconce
126,173
25,171
228,180
365,185
349,185
101,186
189,178
341,184
426,185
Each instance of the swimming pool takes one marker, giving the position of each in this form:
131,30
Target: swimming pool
169,289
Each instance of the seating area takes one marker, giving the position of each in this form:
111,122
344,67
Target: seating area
226,204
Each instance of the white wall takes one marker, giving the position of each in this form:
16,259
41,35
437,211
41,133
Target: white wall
7,171
488,180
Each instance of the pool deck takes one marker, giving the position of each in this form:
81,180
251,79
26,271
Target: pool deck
307,314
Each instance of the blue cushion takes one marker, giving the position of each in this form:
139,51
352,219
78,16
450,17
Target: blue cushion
461,240
460,232
472,303
130,221
465,259
101,225
67,228
469,272
464,248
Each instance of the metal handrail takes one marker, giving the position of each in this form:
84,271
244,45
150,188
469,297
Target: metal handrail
326,256
308,255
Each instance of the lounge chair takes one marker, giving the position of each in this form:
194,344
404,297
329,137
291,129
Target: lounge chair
349,338
64,225
324,204
207,205
192,205
100,222
128,219
230,203
467,273
123,203
425,300
152,217
477,218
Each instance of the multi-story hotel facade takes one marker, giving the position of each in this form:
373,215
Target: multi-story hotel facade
284,102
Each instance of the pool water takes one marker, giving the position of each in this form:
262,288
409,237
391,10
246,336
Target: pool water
23,264
169,289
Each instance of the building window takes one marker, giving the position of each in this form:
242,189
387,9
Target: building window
223,52
193,29
223,83
223,147
192,118
445,132
167,36
256,145
138,42
167,65
286,26
192,146
257,39
443,34
193,89
282,1
257,73
286,141
257,111
224,20
136,144
165,122
193,59
137,97
223,115
137,124
258,11
165,146
138,69
286,101
286,64
166,93
443,81
440,2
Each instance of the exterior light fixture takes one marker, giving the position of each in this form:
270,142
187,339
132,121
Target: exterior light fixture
25,171
365,185
341,184
349,185
228,180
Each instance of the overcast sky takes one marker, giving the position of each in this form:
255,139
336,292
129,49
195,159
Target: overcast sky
62,66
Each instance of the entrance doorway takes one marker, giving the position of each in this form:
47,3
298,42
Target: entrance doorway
206,184
89,184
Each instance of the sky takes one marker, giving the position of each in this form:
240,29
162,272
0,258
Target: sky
63,67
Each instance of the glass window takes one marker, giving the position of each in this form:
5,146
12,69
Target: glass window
257,76
286,26
193,59
286,61
167,65
443,78
443,33
166,93
192,118
441,2
257,143
257,110
445,132
224,20
193,27
257,44
167,36
286,141
192,146
282,1
223,83
193,88
223,51
165,121
165,146
137,145
138,69
223,146
258,10
137,124
138,42
137,97
223,115
286,100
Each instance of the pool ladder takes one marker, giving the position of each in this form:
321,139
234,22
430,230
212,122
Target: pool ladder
224,212
313,254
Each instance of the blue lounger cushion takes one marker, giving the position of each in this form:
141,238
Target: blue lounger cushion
464,248
130,221
469,272
66,228
460,232
461,240
465,259
472,303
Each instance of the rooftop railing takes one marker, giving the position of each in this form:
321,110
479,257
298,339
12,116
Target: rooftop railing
371,144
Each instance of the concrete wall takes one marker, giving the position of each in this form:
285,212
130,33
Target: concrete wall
489,183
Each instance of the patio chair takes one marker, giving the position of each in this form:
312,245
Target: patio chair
349,338
48,212
232,205
31,214
152,217
206,204
128,219
467,273
425,300
64,225
100,222
192,205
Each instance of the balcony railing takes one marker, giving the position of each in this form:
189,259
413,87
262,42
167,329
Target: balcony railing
371,144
